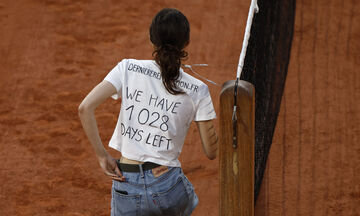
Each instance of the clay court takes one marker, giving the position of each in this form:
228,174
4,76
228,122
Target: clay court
53,52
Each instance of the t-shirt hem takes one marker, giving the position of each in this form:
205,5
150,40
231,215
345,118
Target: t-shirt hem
205,118
116,147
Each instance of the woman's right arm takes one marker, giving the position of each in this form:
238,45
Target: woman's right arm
87,117
209,138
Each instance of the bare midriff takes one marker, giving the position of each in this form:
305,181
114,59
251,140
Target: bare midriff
128,161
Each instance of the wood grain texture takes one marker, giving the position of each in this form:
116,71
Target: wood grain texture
313,166
237,164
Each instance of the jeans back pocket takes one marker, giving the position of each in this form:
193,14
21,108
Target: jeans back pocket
124,204
174,200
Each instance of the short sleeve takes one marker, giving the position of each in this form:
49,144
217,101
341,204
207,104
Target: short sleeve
205,108
116,78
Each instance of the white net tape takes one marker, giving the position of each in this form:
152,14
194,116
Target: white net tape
253,9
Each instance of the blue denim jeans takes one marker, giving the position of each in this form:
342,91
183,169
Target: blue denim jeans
144,194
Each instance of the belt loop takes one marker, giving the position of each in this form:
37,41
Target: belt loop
141,171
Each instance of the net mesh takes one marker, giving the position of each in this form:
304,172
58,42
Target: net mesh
265,66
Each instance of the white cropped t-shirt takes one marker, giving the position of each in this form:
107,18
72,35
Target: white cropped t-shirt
153,123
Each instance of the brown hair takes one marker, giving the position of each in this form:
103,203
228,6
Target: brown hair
170,33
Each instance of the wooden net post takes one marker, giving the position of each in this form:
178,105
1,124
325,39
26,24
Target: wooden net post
237,164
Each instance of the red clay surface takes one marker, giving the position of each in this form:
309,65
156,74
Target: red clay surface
52,53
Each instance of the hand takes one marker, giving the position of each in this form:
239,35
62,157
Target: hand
110,168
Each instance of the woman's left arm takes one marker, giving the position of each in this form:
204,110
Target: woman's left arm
87,117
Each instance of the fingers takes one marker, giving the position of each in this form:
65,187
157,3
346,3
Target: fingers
118,172
111,169
115,177
122,179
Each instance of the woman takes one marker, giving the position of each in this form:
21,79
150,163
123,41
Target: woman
159,102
